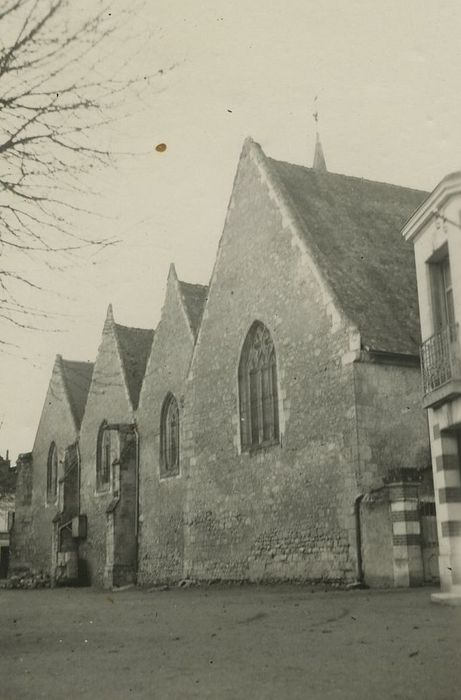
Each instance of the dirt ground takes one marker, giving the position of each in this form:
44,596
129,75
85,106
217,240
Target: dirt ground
249,642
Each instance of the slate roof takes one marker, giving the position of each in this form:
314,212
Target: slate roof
77,379
352,228
134,345
194,297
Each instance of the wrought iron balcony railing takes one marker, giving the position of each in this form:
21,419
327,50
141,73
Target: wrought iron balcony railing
440,358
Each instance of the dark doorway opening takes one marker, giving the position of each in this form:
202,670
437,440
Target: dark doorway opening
4,561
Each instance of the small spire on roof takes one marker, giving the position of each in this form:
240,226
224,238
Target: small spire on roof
319,159
172,271
109,322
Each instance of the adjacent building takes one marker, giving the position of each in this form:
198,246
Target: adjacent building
435,231
7,493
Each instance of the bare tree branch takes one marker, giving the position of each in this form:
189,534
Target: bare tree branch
61,84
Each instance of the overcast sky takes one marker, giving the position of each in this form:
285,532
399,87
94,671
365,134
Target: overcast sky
387,75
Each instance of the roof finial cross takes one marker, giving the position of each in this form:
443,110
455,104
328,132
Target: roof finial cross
316,112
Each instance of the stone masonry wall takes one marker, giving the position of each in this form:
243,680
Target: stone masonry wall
391,423
285,511
162,499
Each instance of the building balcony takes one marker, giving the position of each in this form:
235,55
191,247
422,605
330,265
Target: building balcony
441,367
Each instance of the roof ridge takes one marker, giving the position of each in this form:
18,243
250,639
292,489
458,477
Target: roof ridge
76,362
359,178
133,328
192,284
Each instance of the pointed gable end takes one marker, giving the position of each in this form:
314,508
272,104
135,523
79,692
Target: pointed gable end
134,347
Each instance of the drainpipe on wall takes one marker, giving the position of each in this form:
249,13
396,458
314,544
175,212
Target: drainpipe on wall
358,526
136,527
79,476
358,535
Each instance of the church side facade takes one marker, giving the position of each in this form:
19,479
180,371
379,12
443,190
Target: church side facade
268,440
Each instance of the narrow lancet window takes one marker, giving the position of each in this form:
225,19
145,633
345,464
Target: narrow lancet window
52,473
104,457
169,437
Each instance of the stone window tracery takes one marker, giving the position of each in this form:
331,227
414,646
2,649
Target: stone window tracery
258,390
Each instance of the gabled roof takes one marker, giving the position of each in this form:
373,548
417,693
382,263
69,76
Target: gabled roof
77,380
134,346
352,228
194,297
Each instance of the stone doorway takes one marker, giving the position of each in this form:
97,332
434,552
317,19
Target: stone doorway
4,561
122,514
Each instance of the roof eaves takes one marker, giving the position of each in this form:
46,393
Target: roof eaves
446,188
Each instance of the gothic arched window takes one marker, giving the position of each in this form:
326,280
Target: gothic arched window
258,393
169,436
104,457
52,473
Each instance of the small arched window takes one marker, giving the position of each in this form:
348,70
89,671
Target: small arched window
52,473
104,457
169,436
258,390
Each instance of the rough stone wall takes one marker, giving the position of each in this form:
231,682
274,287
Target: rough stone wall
34,513
392,435
285,511
162,499
391,423
107,400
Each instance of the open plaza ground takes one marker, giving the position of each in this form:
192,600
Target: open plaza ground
229,643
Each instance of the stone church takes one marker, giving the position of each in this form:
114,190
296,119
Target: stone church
270,428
